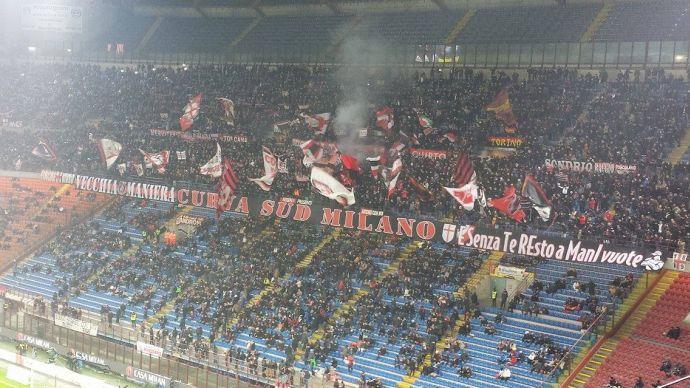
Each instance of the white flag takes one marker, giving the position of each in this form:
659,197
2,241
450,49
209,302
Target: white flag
159,160
270,170
330,187
109,150
213,167
465,195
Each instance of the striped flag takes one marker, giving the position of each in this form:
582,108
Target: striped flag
464,171
375,164
226,187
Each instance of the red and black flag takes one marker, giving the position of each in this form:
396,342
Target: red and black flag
226,187
504,111
509,204
532,190
464,170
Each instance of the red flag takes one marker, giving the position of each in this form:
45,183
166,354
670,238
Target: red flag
350,163
509,204
226,187
191,111
504,111
464,170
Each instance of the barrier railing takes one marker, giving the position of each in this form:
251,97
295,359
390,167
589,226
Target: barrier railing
588,335
118,344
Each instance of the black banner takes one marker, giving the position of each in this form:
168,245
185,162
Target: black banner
376,221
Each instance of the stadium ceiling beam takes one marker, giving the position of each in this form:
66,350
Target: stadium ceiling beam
255,5
331,5
440,4
197,7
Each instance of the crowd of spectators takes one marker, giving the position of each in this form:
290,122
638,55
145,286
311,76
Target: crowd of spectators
561,114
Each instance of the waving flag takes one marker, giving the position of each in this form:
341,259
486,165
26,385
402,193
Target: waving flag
226,187
284,125
532,190
465,195
312,152
504,111
391,175
109,151
509,204
426,124
464,170
350,163
45,151
158,160
375,164
191,111
213,167
424,192
270,170
228,110
384,118
330,187
318,122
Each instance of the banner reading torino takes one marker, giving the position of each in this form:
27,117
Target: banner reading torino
376,221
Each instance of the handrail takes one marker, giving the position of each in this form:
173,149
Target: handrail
590,330
613,330
675,381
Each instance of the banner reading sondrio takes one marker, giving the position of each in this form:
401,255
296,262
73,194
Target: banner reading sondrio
376,221
599,167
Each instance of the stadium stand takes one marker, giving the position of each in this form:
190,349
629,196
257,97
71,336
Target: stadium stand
529,24
33,211
412,27
278,34
128,29
342,303
643,21
196,35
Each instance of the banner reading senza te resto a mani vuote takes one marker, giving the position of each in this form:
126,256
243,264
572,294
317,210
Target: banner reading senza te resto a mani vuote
375,221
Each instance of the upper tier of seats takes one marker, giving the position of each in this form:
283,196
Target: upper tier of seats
528,24
306,34
410,27
647,21
183,35
664,20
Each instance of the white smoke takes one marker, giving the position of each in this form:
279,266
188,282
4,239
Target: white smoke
358,56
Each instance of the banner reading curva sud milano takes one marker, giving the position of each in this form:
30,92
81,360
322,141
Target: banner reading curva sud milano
376,221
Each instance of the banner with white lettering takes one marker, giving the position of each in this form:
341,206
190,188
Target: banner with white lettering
199,136
151,350
33,341
146,377
429,154
51,18
598,167
330,214
76,324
